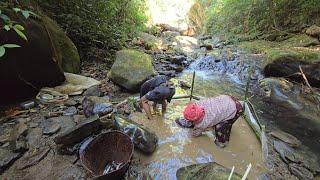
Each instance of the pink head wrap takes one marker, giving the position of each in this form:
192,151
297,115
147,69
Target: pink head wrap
193,112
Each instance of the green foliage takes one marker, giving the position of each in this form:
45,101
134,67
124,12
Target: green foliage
12,25
261,16
98,27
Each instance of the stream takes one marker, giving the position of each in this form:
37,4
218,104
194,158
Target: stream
177,148
277,110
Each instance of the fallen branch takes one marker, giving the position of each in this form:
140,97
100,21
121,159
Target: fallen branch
305,79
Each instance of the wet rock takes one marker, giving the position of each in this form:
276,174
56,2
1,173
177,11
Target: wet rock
131,69
79,132
142,139
27,104
96,106
178,60
301,172
93,91
70,111
205,171
167,73
7,158
285,137
285,63
33,157
313,31
50,127
184,85
177,68
286,153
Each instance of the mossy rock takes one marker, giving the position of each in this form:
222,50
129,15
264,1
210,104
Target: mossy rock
313,31
302,40
65,52
286,62
25,70
150,41
206,171
131,68
257,46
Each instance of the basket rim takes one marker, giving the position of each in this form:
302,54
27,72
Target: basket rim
102,134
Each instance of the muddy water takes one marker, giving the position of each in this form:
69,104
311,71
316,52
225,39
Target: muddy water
177,148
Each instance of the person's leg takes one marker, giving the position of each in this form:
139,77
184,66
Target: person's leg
146,106
154,107
222,132
164,107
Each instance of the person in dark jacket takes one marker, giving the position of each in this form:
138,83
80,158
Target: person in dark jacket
159,91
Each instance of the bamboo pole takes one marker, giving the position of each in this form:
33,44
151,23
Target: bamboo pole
192,86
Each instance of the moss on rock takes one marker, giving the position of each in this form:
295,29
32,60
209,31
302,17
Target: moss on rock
206,171
286,63
257,46
65,52
131,69
302,40
313,31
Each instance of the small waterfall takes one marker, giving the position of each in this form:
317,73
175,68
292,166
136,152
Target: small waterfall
234,69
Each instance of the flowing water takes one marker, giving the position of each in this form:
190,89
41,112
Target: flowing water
177,148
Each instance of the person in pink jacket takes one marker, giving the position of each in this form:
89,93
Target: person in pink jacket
218,113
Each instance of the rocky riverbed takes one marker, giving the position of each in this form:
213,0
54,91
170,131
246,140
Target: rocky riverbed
41,139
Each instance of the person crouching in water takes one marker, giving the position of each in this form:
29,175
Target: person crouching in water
159,91
218,113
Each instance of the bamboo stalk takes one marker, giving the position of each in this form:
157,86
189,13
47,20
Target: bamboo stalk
247,172
230,176
186,96
192,85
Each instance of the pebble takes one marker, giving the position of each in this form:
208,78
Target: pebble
70,111
27,105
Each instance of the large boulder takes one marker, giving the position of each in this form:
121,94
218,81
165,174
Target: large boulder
286,62
25,70
131,69
65,52
206,171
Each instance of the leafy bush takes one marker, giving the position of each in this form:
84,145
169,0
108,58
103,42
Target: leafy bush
97,27
262,16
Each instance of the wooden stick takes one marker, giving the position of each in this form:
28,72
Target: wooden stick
192,85
181,97
186,96
305,78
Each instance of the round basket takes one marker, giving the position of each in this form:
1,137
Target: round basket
105,148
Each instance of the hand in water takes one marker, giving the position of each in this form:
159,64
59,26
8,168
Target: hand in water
184,123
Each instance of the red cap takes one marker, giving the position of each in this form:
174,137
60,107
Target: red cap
193,112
